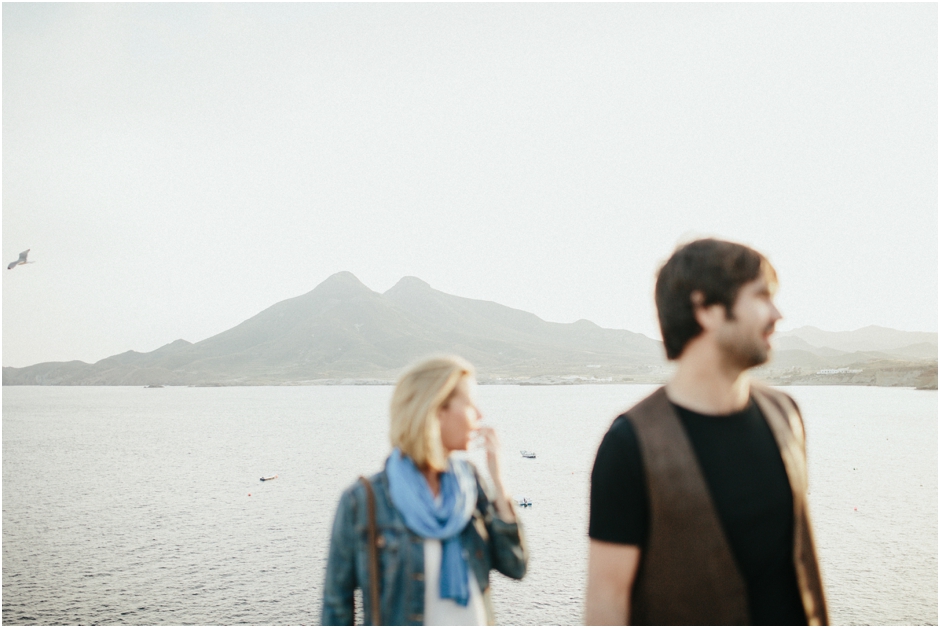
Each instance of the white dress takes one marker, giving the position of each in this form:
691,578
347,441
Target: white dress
446,612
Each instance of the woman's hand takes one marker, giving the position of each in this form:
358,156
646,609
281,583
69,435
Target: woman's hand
491,444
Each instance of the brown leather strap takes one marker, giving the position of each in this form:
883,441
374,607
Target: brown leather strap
373,555
688,574
785,422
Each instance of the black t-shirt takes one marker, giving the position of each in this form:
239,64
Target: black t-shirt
749,487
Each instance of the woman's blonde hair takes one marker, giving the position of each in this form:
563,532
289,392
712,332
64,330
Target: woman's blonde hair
420,393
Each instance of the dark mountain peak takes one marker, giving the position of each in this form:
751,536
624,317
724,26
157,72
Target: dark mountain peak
585,323
343,277
173,346
341,284
121,358
408,284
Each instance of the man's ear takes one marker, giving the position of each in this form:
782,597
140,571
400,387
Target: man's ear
707,316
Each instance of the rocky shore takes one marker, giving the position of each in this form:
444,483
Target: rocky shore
893,373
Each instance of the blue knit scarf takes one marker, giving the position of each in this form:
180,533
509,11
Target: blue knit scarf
412,496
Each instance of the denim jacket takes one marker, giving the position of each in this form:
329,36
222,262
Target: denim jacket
488,543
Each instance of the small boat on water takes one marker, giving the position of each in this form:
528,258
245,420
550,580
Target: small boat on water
527,454
524,502
270,477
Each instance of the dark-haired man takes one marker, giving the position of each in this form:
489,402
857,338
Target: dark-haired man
698,494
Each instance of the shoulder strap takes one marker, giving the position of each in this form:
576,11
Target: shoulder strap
680,501
786,406
373,555
786,423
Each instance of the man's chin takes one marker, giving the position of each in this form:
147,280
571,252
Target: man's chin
747,356
760,357
755,358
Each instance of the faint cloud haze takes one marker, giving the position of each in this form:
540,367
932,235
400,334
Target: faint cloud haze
177,168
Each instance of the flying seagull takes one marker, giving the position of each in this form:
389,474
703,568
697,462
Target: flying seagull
21,260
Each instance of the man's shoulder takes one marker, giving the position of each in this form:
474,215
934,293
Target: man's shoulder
619,443
621,429
650,408
776,403
780,397
652,415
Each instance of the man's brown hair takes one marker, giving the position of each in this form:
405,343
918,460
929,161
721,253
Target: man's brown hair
717,269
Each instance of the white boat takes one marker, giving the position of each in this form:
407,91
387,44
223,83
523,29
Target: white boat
269,477
527,454
524,501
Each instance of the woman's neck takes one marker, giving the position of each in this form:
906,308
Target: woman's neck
433,477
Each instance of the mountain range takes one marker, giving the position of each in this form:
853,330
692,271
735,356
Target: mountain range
343,332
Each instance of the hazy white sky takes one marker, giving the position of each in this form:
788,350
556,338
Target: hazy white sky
177,168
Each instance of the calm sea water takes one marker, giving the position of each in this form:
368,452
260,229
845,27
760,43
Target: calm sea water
144,506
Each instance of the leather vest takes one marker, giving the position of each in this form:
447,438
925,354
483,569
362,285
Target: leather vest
687,572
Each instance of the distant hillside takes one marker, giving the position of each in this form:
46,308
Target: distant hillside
342,330
871,356
871,338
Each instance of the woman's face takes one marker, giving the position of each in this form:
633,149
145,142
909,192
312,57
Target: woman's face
459,418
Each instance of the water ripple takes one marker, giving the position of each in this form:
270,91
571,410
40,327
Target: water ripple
130,506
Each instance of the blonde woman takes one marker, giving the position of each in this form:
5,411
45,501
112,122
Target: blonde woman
437,531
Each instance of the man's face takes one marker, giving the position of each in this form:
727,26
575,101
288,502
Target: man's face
744,337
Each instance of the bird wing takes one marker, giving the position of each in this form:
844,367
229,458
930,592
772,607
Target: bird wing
23,256
12,265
